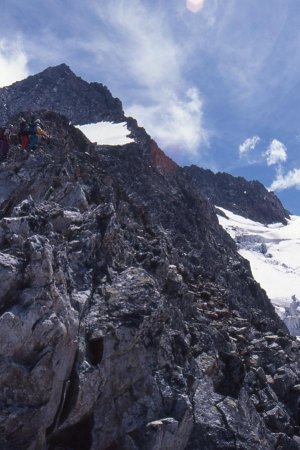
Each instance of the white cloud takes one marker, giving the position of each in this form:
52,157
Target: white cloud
276,153
137,41
289,180
13,62
248,145
175,123
141,50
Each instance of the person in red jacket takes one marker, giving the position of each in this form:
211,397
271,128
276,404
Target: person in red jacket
23,134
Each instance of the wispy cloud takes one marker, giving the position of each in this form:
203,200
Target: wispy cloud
254,75
141,49
276,153
177,123
286,181
13,62
248,145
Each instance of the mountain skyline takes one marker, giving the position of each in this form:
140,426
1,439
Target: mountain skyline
207,87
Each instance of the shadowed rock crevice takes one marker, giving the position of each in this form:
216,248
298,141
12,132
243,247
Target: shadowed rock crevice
231,377
77,437
95,350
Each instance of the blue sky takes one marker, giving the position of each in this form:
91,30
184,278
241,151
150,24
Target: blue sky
215,82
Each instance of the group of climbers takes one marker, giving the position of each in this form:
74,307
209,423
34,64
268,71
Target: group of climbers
29,136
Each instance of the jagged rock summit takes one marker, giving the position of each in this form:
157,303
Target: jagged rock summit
128,320
59,89
249,199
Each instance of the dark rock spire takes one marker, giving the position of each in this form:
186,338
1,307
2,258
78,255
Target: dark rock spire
59,89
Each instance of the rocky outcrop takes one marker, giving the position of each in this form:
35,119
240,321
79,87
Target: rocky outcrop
249,199
128,320
59,89
162,161
291,316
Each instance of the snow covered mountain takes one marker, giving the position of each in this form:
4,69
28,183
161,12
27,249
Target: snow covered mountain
273,253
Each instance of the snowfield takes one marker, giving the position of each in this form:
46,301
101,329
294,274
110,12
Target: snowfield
273,253
106,133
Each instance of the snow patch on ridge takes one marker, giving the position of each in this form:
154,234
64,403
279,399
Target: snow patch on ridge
106,133
273,253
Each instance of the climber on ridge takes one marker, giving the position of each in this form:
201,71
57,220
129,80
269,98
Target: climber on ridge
23,134
36,131
4,141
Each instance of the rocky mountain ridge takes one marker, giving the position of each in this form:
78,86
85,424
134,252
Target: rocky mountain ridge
249,199
128,319
59,89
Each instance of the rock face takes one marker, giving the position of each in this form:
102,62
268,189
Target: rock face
128,320
249,199
59,89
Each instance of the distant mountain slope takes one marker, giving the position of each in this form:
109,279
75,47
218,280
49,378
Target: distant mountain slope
273,253
59,89
250,199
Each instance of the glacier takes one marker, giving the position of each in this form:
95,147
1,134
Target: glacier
273,254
